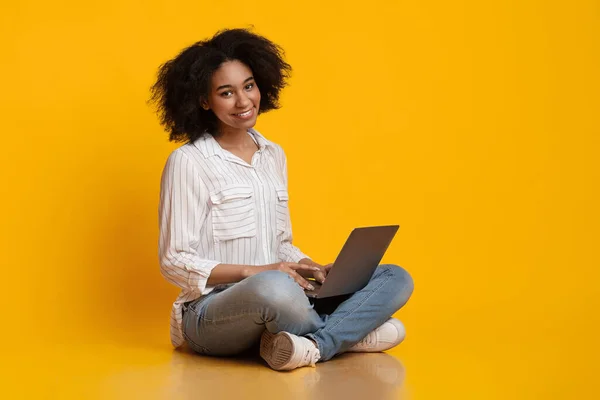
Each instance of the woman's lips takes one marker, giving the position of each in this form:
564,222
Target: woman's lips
245,115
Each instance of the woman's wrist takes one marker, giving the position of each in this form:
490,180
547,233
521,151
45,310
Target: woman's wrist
250,270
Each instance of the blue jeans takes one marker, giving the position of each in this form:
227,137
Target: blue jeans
232,320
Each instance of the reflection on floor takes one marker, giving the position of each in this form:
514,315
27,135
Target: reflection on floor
190,376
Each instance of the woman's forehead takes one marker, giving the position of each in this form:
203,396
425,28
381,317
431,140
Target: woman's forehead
231,73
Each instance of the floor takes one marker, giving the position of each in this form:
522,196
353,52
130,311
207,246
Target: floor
186,376
419,368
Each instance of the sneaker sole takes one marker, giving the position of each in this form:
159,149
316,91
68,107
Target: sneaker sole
276,349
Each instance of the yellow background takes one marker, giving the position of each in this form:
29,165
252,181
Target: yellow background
474,125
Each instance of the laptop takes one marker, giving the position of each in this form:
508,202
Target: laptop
356,263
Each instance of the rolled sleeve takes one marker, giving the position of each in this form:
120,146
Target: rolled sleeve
290,253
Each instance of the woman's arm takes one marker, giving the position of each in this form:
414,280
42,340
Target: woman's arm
230,273
183,199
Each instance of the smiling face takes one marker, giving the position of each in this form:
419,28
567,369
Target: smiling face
234,97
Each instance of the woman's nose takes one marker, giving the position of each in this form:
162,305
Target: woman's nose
242,101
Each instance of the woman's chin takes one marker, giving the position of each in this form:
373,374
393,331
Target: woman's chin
246,124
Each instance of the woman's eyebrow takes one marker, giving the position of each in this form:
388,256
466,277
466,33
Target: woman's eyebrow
228,86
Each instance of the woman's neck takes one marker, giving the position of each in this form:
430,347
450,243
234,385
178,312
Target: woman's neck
233,138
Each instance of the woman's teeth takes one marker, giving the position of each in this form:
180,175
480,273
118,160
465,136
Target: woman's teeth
244,114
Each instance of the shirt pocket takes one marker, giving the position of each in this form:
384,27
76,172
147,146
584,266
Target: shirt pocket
282,209
233,212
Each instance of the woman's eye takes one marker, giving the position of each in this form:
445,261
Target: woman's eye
249,86
225,94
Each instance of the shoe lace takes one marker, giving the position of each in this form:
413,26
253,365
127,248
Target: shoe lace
311,356
368,340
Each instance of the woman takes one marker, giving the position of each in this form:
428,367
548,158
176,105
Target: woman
225,230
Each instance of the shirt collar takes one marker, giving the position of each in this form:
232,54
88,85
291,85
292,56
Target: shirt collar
260,139
209,146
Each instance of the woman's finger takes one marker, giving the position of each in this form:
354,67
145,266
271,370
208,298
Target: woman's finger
304,267
319,276
301,281
305,284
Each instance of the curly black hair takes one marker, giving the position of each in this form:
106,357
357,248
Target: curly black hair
185,80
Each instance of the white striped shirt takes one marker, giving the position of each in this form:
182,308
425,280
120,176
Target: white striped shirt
216,208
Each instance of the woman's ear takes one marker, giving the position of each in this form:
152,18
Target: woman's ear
204,104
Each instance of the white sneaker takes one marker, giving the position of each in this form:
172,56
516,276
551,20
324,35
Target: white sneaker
391,333
285,351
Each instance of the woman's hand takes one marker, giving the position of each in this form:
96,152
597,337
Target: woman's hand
292,269
319,274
